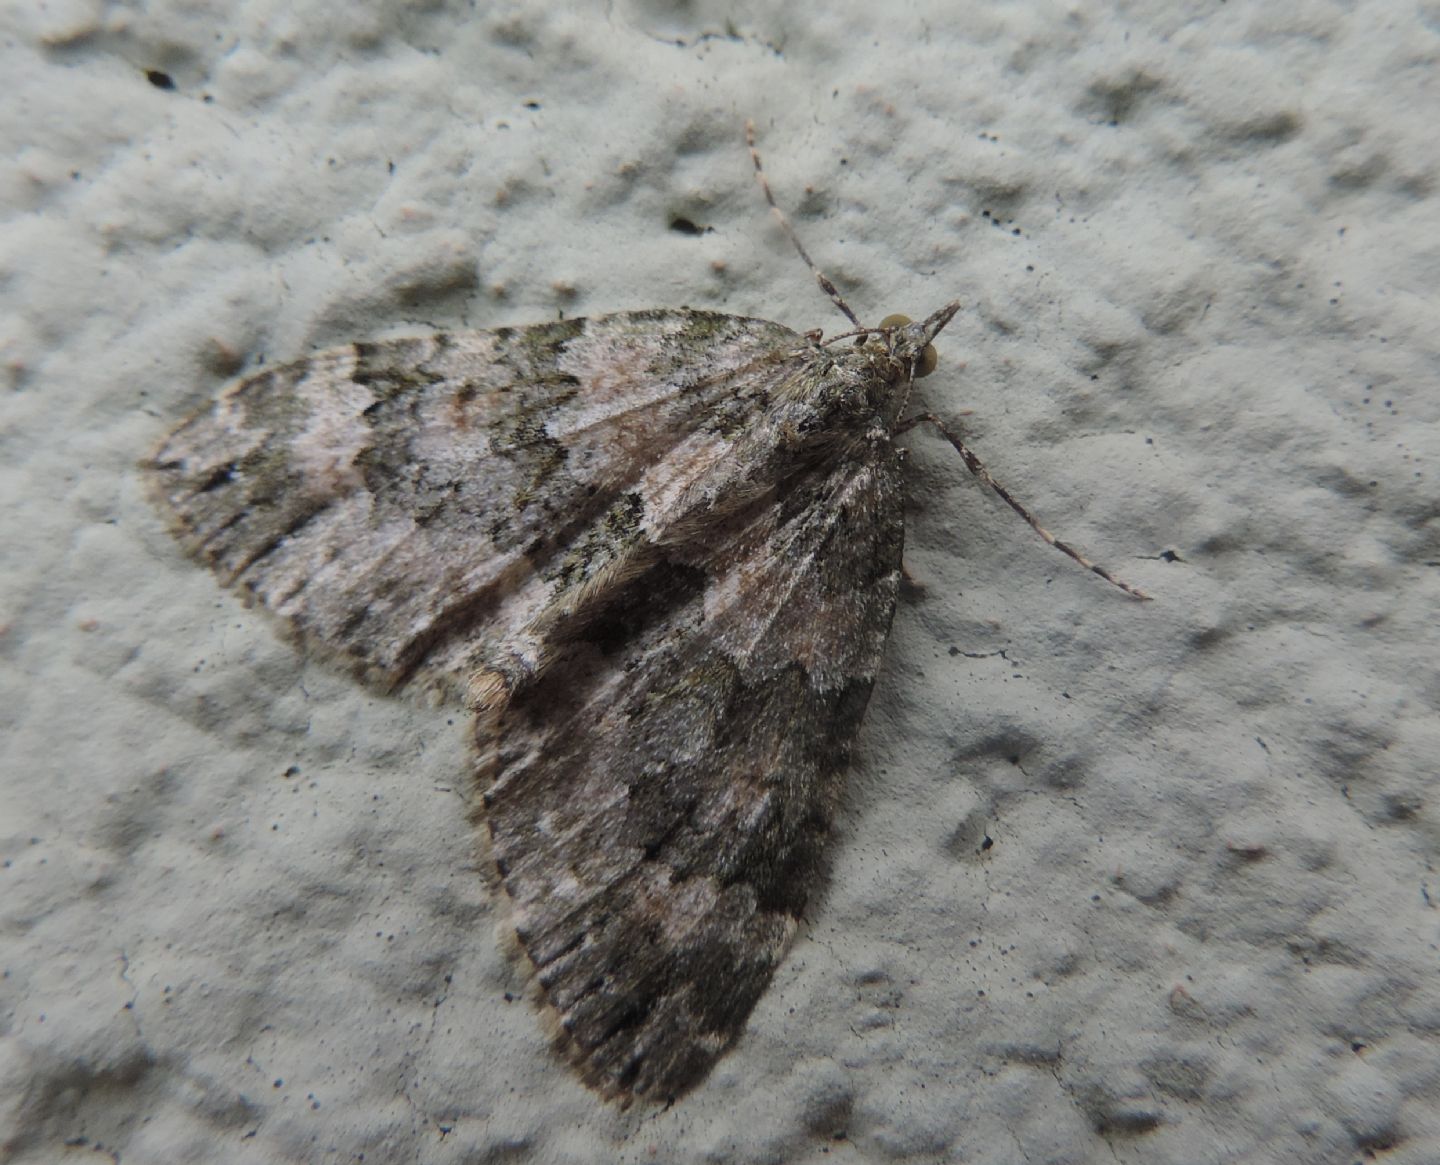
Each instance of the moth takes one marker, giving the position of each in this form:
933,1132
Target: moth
656,554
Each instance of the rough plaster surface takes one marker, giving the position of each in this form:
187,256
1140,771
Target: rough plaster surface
1116,882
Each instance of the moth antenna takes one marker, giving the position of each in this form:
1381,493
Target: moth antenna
820,277
977,467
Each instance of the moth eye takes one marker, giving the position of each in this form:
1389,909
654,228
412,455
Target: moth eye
928,358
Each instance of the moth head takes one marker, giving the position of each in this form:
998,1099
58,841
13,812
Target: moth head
910,343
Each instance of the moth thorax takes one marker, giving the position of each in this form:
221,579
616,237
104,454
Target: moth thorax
928,358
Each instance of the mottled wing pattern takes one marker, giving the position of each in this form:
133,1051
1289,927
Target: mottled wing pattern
665,583
396,501
657,800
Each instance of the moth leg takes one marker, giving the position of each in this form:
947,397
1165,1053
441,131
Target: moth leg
977,467
820,277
